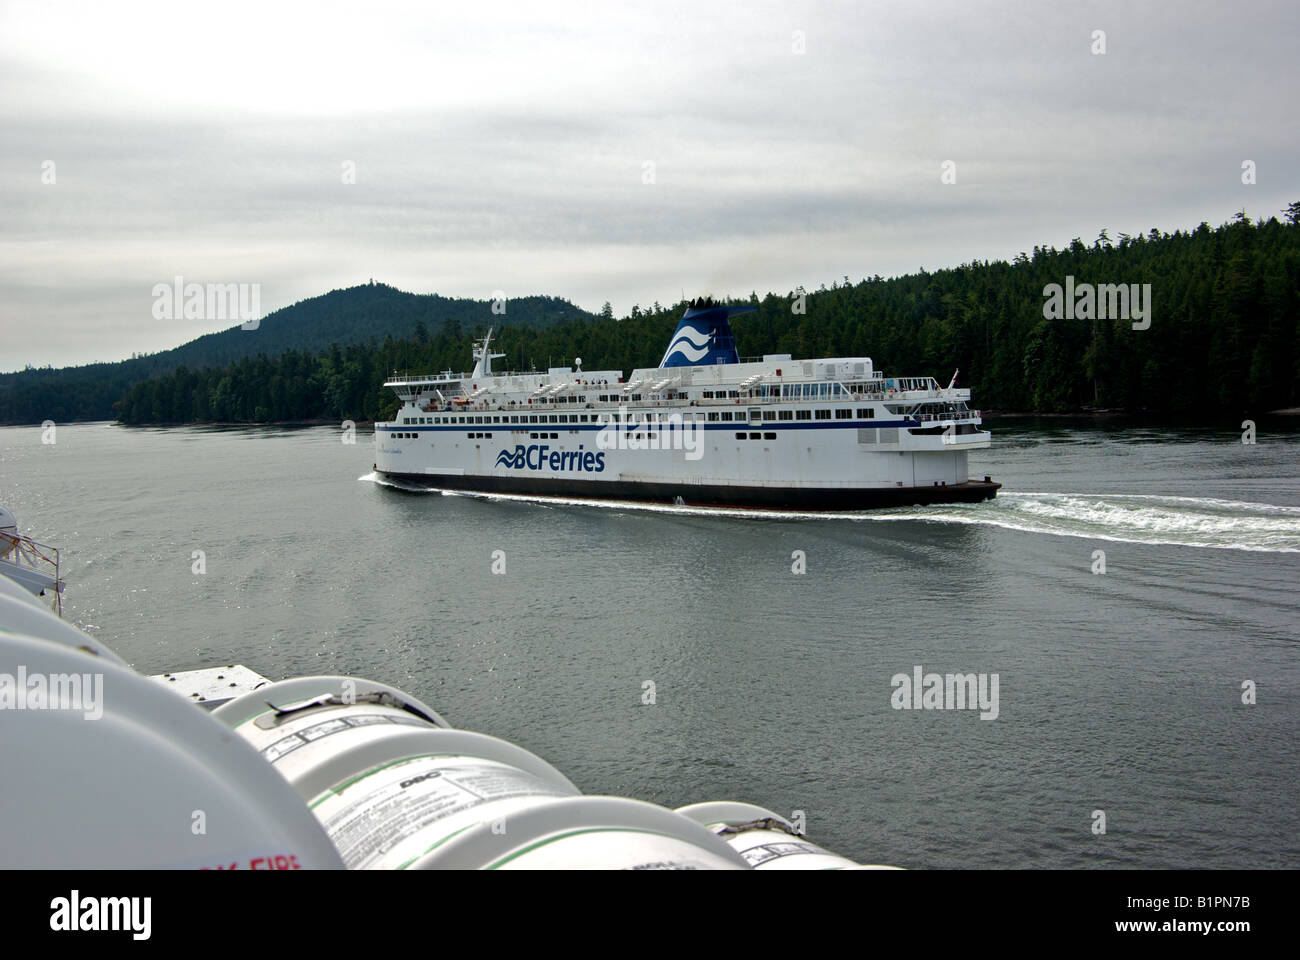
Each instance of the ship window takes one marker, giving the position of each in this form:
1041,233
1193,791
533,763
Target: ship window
726,415
803,414
866,413
406,419
514,419
707,394
823,414
785,415
555,436
713,416
496,419
554,419
740,436
843,414
769,436
756,436
532,419
488,435
532,436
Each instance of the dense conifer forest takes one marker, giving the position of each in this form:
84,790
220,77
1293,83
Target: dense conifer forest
1223,335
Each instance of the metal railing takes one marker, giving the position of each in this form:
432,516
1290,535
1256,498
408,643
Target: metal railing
947,415
15,549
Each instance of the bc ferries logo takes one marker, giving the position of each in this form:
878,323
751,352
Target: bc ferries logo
539,456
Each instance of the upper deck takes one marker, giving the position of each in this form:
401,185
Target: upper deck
700,369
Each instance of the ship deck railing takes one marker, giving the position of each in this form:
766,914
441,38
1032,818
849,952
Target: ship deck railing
947,415
517,406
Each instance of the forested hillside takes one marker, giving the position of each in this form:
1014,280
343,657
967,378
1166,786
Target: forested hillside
367,313
1224,336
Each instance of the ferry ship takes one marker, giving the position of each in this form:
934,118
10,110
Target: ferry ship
705,428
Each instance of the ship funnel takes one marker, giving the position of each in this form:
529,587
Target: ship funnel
703,337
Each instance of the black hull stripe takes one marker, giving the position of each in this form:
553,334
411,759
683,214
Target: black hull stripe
699,495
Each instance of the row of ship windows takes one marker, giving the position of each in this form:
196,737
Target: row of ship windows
843,413
478,436
556,436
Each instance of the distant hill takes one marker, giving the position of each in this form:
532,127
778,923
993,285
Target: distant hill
362,314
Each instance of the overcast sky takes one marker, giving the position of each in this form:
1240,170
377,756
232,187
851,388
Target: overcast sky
504,146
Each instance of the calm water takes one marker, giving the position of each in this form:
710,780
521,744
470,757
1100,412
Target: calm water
1118,691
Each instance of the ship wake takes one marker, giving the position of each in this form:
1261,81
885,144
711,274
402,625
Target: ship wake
1128,518
1201,522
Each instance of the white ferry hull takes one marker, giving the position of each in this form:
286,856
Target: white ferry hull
828,468
714,495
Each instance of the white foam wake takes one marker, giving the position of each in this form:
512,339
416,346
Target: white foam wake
1202,522
1143,518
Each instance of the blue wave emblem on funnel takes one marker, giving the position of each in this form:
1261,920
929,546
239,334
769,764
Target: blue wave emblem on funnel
703,336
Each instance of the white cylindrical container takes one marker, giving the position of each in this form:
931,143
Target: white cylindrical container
765,840
105,769
383,774
21,612
588,833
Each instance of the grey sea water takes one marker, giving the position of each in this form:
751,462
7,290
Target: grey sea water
1118,691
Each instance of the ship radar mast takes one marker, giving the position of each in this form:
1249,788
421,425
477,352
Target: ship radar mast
483,356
